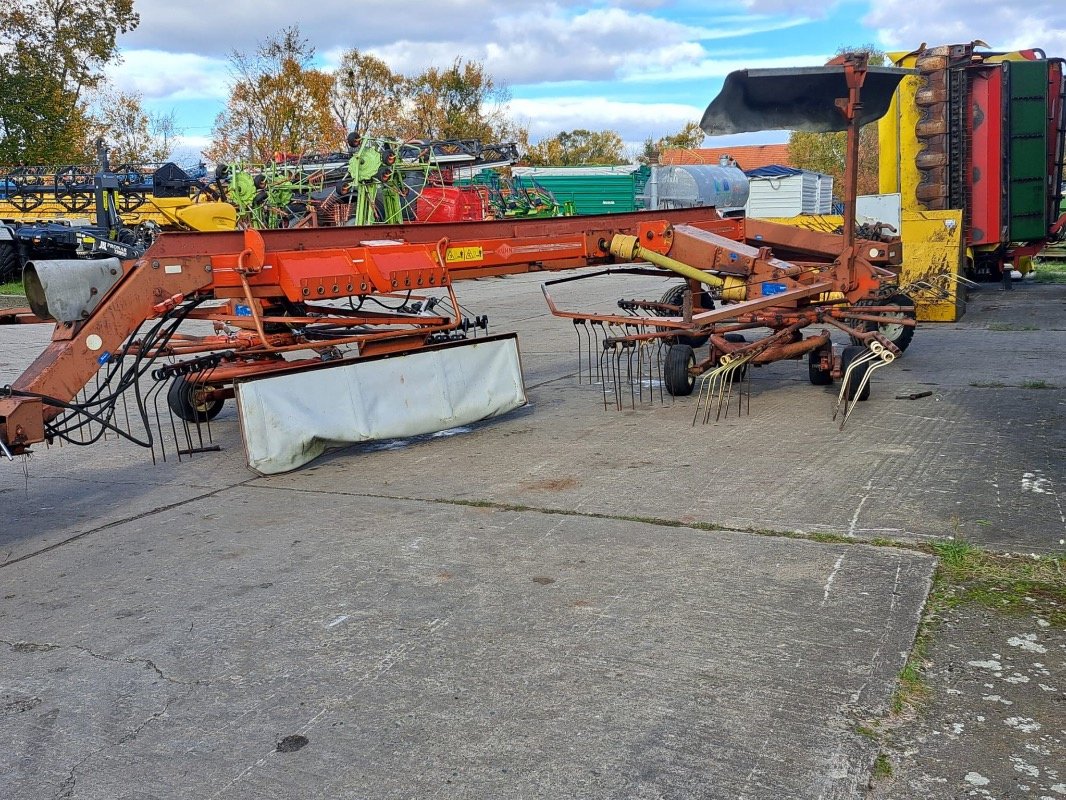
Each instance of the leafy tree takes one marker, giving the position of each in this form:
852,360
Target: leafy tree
826,152
55,50
276,104
461,102
367,96
133,135
578,147
689,137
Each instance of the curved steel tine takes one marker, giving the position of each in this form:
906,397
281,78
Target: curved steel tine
577,327
618,376
844,399
842,394
153,394
640,369
739,368
645,367
602,364
587,331
651,353
882,362
593,343
628,349
715,389
630,355
745,385
725,392
659,370
600,339
702,395
612,374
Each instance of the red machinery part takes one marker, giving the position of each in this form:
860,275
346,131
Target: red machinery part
269,276
986,217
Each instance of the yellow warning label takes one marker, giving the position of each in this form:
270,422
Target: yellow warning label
464,254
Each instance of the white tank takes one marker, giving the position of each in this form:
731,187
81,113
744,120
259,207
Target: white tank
724,187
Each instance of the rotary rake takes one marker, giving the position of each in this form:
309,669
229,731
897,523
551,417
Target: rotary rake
653,344
748,308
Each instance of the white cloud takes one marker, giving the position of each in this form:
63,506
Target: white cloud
802,8
216,28
720,67
903,25
563,47
555,41
156,74
552,45
188,150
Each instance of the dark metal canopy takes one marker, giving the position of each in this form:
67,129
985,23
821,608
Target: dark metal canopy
799,99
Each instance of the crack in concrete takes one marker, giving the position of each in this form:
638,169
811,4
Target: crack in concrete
820,538
66,788
553,511
44,647
122,521
131,735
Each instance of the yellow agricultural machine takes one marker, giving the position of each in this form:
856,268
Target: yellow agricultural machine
978,136
74,213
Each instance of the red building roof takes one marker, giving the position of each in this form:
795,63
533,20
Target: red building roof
747,156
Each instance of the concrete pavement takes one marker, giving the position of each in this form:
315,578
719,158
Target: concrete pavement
532,607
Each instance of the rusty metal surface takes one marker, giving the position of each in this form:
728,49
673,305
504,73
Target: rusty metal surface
74,355
278,286
460,233
272,281
793,241
755,287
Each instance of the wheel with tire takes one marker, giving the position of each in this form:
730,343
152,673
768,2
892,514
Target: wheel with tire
186,401
675,296
10,268
819,375
851,353
679,359
900,335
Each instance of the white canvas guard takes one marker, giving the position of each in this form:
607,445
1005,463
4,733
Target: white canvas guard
289,419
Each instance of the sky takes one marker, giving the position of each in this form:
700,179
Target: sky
642,68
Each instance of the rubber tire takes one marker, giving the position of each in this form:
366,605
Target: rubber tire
180,400
675,296
10,268
817,375
901,335
850,354
679,382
